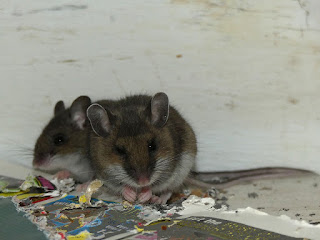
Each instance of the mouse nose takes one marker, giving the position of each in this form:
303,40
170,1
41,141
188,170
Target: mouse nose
40,159
143,180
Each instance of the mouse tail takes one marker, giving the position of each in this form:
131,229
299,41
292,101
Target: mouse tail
222,180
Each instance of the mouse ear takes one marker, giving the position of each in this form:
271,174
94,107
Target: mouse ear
58,108
78,110
99,120
159,109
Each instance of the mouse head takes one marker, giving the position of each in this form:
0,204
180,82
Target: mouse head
64,137
134,146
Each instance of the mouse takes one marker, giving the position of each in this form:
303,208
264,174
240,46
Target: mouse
61,148
141,147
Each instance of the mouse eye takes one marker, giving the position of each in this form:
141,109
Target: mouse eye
152,146
59,139
120,150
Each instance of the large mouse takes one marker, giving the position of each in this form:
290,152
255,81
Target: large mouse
141,147
62,146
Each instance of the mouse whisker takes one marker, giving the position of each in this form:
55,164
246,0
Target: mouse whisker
120,176
22,149
20,155
86,172
17,146
159,181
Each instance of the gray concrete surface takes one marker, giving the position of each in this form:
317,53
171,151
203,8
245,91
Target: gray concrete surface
296,197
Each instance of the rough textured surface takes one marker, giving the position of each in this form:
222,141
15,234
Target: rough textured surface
297,198
244,73
286,206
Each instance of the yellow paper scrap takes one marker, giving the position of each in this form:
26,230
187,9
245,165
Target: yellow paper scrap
138,229
92,188
11,194
81,236
27,195
82,199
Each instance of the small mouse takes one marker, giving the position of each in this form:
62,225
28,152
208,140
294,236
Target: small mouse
62,146
141,147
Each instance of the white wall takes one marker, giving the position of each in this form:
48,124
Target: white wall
244,73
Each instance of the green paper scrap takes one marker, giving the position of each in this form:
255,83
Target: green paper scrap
9,185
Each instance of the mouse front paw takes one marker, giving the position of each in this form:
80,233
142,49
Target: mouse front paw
63,174
164,197
145,195
129,194
81,188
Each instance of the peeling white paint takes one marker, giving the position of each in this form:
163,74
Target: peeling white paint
204,207
245,74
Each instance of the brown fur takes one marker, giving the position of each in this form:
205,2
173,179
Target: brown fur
131,130
72,152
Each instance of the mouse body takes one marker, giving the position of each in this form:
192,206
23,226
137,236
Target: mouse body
141,147
62,146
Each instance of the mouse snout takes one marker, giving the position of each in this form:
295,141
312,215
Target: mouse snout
140,174
143,179
42,152
40,159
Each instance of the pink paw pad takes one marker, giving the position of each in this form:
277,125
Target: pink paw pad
63,174
162,199
82,187
145,195
155,199
129,194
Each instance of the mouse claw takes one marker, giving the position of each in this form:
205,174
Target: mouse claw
145,195
129,194
63,174
162,199
82,187
155,199
165,197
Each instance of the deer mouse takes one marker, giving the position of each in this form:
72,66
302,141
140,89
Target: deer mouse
141,147
62,145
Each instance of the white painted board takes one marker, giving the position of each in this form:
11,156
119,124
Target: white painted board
244,73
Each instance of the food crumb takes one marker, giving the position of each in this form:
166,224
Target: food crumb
253,195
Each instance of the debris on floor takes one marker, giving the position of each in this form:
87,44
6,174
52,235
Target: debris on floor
61,215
